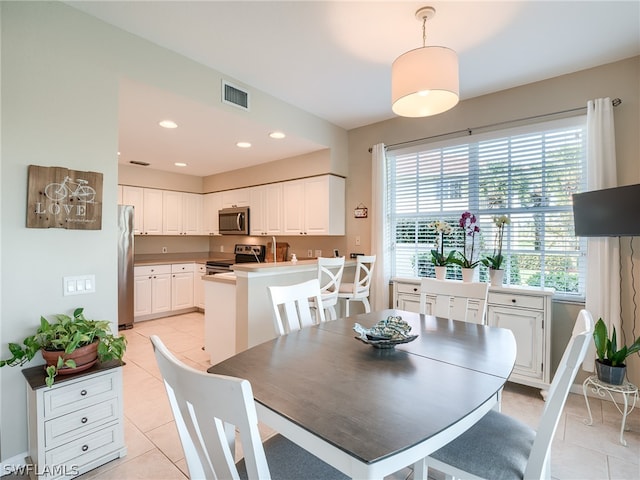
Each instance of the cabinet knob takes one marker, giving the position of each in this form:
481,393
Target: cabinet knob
513,300
84,420
415,289
85,448
83,393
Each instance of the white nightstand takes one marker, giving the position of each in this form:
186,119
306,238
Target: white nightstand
78,423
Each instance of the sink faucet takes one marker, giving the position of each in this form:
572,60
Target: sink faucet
273,248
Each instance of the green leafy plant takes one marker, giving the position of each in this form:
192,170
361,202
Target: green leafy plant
65,335
469,224
607,348
494,261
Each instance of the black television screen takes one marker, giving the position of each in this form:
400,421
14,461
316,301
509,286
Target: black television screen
611,212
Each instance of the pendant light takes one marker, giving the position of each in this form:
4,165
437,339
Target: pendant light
424,81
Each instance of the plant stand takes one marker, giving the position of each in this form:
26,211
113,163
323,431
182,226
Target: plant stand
600,388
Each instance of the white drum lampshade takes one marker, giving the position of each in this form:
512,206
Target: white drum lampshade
424,82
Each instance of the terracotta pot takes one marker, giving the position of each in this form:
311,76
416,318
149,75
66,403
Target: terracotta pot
467,274
85,357
441,272
496,275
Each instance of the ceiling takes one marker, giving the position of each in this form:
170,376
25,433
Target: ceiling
333,59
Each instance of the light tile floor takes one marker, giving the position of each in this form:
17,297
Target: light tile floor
154,451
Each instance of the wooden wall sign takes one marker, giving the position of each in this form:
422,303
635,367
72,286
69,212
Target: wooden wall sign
62,198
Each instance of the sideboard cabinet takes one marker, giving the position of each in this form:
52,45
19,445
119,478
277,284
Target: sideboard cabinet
78,423
524,311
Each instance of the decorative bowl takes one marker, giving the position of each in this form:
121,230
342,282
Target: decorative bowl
386,333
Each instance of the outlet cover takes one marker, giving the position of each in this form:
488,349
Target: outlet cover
318,253
309,253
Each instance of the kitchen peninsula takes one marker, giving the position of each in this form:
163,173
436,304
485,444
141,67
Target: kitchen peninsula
237,306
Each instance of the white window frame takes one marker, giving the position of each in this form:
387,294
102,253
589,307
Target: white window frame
576,248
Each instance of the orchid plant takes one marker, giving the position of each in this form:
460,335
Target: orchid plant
442,228
469,224
494,262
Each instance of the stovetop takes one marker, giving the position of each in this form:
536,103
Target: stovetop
244,253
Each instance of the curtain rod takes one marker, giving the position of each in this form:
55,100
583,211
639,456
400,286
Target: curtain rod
615,102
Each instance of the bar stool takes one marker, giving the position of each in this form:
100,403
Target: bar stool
330,276
359,289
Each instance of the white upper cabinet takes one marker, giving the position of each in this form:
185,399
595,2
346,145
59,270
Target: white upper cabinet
152,212
314,206
135,196
239,197
192,209
212,204
265,216
181,213
311,206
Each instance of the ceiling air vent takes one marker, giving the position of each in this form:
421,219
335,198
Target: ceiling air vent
232,95
136,162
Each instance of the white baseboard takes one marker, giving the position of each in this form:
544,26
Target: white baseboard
10,465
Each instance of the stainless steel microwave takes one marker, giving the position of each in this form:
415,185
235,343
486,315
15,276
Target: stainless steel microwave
233,221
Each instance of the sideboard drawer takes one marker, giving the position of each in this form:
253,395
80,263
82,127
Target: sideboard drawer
79,395
82,451
413,288
522,301
67,427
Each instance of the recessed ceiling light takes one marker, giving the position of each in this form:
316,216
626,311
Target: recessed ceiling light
277,135
168,124
180,164
243,144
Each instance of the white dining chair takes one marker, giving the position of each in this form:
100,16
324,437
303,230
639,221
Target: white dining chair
291,306
499,446
455,300
359,289
330,277
209,408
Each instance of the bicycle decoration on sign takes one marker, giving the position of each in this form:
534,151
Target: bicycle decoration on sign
63,198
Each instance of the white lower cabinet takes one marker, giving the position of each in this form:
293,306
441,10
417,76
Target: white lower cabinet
198,285
161,290
524,311
182,285
151,289
78,423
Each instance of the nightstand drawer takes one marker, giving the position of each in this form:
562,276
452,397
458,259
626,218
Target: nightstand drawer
79,394
522,301
87,449
67,427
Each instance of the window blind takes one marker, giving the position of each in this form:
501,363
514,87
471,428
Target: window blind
528,174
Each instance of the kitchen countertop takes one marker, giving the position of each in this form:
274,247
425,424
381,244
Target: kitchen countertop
281,267
168,258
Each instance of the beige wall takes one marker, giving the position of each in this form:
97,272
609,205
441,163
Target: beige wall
316,163
60,75
620,79
61,71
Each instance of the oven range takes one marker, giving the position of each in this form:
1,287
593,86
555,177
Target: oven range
244,253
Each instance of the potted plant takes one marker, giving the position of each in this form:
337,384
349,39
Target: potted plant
610,365
494,262
438,259
469,225
68,345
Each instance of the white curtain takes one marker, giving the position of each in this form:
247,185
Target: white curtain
603,254
379,225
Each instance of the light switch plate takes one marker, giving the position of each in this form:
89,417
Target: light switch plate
78,284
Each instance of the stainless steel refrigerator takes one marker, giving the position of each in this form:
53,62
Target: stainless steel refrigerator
125,266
